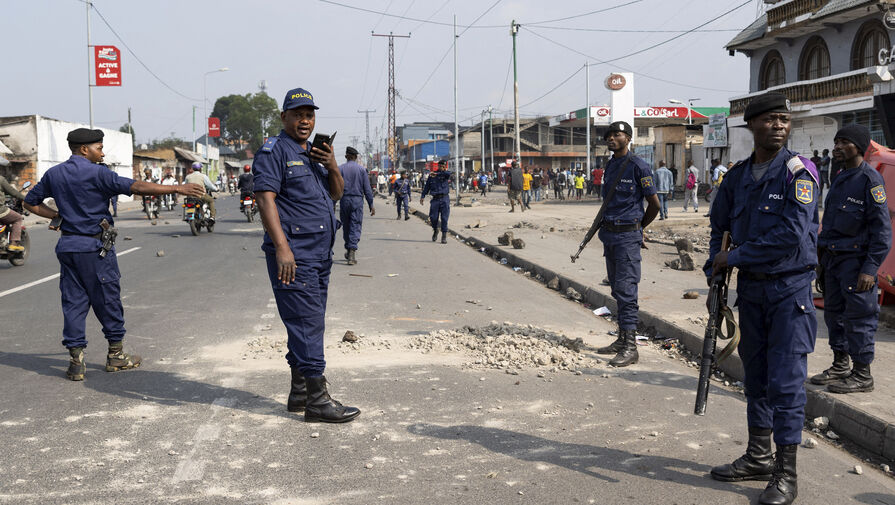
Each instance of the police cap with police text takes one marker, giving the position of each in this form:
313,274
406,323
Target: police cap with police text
772,101
350,151
619,126
298,97
85,136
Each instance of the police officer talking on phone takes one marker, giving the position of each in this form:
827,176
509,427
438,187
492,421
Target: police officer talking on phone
89,277
295,187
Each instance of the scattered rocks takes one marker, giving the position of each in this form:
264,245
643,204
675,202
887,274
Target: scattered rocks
858,470
691,295
349,337
160,253
809,443
572,294
167,222
505,239
175,236
684,244
315,435
832,435
518,243
127,237
820,423
884,467
553,283
154,222
368,466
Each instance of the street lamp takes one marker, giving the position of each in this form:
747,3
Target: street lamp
689,107
205,106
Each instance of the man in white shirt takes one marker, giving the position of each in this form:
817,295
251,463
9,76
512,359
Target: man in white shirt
718,171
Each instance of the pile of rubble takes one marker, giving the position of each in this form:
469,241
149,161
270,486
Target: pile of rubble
265,347
508,347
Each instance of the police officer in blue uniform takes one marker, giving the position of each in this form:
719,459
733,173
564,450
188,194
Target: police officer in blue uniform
81,188
351,206
439,186
853,242
767,203
402,195
295,186
622,235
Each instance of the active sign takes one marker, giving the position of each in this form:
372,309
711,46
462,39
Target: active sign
107,62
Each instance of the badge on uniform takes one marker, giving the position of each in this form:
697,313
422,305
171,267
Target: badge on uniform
646,182
268,146
879,194
295,163
804,191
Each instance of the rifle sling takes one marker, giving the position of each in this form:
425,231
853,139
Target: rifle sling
611,191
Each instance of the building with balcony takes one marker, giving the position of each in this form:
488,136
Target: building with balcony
831,58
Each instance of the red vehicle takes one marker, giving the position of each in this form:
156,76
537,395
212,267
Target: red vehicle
883,160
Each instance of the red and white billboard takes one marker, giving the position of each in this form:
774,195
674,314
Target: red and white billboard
214,127
107,63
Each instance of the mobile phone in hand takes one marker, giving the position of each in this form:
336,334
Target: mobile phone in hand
55,223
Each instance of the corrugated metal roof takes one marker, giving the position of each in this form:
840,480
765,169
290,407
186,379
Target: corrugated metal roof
752,32
834,6
4,149
189,155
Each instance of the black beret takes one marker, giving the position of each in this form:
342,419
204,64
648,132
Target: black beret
85,136
771,101
350,150
619,126
857,134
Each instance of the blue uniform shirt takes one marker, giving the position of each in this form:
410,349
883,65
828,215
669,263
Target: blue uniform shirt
856,220
772,222
636,183
402,187
283,167
357,182
438,183
81,190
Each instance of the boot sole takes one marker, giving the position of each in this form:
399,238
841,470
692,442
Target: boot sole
855,390
824,382
294,408
622,365
76,378
121,368
740,479
313,419
608,351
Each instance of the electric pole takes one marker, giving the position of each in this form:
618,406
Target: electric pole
514,28
587,112
391,93
458,172
368,157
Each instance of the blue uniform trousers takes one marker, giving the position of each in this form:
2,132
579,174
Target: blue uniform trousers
440,206
778,327
88,281
851,317
623,269
403,201
302,307
351,213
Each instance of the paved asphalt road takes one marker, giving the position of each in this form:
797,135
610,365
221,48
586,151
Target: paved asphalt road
204,421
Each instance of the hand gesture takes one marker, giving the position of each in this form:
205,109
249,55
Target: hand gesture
324,157
189,189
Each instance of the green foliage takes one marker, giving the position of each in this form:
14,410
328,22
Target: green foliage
169,143
127,128
247,118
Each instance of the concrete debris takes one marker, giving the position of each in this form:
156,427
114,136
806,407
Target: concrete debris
315,435
175,236
832,435
858,470
691,295
160,253
821,423
525,224
884,467
554,283
126,237
572,294
368,466
474,302
809,443
508,347
349,337
419,306
518,243
167,222
684,244
154,222
684,262
505,239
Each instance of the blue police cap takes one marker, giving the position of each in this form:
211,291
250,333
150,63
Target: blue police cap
84,136
298,97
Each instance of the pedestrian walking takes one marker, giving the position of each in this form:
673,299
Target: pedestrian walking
89,277
631,181
526,188
855,237
824,176
536,184
598,182
691,187
351,205
718,171
664,184
579,185
570,178
767,203
402,195
514,187
483,183
559,184
295,187
673,170
439,186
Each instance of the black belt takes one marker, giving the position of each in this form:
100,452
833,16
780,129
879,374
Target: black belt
620,228
98,236
759,276
439,195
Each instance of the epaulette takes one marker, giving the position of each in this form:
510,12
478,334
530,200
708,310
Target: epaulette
798,164
268,146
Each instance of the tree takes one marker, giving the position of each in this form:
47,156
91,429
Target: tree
247,118
127,128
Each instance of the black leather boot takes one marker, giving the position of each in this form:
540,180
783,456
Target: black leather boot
444,237
838,371
783,489
322,408
352,259
756,464
76,367
298,392
860,381
628,354
614,347
434,235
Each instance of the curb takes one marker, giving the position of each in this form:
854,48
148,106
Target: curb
869,432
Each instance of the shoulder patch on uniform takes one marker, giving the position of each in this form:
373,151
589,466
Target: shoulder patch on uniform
268,146
804,191
879,194
646,182
297,163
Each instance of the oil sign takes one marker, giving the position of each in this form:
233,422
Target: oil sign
615,82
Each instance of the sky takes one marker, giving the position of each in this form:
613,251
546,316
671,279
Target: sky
326,47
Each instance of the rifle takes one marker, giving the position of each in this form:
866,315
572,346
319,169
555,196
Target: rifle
598,221
719,312
108,237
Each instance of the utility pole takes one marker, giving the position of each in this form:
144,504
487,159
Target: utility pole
130,128
483,141
587,112
514,28
458,172
194,128
391,93
368,157
491,137
89,86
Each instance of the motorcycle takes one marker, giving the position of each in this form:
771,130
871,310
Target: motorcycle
197,214
168,202
249,208
150,206
15,258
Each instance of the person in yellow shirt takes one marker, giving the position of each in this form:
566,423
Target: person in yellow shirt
579,186
526,188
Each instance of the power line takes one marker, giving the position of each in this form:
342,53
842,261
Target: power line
567,79
131,51
605,30
585,14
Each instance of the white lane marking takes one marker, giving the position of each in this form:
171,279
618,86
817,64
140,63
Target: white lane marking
49,278
192,468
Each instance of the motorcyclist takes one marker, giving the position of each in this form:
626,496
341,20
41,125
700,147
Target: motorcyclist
195,176
11,217
169,180
147,177
245,184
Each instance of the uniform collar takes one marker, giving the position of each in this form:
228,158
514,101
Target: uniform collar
285,136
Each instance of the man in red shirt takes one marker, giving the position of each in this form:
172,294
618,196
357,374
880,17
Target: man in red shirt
598,181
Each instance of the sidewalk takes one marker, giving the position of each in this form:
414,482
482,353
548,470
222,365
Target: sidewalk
552,231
